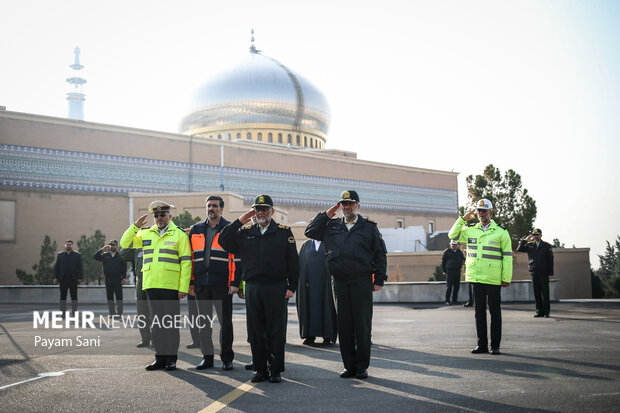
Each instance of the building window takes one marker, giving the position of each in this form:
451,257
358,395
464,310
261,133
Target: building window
249,135
270,137
305,141
219,137
400,223
298,141
279,138
290,138
431,227
7,220
238,135
260,136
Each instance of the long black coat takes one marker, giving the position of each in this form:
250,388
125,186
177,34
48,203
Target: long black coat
540,260
303,295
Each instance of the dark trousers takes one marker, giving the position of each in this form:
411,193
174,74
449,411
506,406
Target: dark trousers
266,313
453,283
493,293
70,286
207,297
540,283
354,310
114,288
164,305
142,308
192,309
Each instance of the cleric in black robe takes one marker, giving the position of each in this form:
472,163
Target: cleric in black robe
315,304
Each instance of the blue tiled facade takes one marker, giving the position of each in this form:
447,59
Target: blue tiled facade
50,169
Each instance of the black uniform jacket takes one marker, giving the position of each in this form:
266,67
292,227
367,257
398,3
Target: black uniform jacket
114,267
267,257
452,260
76,266
352,254
540,260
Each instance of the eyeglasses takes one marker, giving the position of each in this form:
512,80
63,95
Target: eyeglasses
482,210
163,214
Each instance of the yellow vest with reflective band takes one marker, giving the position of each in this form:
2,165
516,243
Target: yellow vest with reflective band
167,260
489,253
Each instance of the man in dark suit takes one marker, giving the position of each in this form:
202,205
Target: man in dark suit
540,257
68,274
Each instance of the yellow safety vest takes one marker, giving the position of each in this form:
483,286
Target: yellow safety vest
167,260
489,253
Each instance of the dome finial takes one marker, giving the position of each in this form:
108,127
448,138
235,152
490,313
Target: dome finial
253,49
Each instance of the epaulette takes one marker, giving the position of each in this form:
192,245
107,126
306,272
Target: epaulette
246,226
283,226
370,220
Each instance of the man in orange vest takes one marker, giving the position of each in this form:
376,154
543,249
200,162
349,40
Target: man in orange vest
215,279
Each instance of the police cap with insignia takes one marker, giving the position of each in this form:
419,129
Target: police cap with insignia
263,200
536,231
160,206
113,242
484,204
349,196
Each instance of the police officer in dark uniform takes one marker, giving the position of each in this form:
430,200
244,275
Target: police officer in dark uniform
270,271
356,258
540,257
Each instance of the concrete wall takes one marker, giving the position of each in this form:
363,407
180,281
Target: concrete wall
404,292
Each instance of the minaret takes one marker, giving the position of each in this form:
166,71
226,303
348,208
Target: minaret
76,98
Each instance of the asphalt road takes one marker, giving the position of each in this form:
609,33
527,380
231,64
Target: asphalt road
420,362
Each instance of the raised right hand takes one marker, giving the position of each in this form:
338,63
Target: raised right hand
141,221
470,215
245,218
332,211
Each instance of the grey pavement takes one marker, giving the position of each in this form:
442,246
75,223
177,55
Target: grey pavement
420,362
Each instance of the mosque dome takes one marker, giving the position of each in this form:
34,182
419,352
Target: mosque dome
259,99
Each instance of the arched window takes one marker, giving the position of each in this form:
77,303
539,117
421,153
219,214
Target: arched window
298,140
279,138
238,135
270,137
290,138
249,135
260,136
219,137
305,141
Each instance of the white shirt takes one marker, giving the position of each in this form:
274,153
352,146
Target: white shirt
352,223
317,245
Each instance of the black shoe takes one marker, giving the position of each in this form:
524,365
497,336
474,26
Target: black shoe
193,344
479,350
259,376
362,375
495,351
539,315
546,315
227,366
275,378
205,363
249,366
156,365
345,374
143,344
468,304
327,342
171,365
309,341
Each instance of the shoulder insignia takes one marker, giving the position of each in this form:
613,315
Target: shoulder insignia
370,220
246,226
291,240
283,226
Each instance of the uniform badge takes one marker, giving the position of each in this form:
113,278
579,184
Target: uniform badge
346,195
261,199
493,243
471,240
172,243
291,240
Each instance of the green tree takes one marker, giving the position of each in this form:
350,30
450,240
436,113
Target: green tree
438,274
88,246
609,271
185,220
513,208
44,269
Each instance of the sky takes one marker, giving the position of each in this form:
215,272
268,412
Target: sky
528,85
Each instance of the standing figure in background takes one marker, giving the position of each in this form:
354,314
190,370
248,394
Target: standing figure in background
114,271
540,264
315,303
452,262
68,274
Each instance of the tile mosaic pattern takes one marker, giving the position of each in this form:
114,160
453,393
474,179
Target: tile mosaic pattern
58,170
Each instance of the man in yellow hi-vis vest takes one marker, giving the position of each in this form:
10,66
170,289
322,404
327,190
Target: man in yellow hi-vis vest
488,268
166,271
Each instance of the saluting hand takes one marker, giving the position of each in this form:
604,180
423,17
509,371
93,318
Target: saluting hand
141,221
470,215
332,211
245,218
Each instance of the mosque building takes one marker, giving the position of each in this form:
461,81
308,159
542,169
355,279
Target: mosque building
257,128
